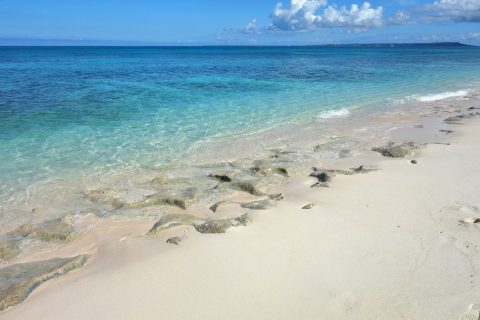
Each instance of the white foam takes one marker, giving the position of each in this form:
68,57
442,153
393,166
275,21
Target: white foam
442,95
339,113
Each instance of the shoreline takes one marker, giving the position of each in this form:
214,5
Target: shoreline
121,247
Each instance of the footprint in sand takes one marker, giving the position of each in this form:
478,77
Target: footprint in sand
473,313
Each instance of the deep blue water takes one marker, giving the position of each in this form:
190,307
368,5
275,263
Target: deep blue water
65,109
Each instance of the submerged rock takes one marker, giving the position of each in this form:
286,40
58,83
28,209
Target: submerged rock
182,199
56,230
9,249
51,230
396,151
19,280
173,220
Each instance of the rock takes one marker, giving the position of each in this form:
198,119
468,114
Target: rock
271,170
9,250
322,176
446,131
320,185
51,230
166,180
173,220
259,205
418,126
104,196
174,240
214,226
217,205
457,119
250,185
244,219
19,280
182,199
222,176
222,225
277,197
396,151
308,206
414,161
55,230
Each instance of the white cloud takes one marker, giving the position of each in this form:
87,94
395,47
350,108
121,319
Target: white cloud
454,10
400,17
306,15
251,27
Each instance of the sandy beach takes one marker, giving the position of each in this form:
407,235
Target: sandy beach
395,239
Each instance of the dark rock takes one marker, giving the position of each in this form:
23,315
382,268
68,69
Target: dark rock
217,205
173,220
19,280
174,240
308,206
222,176
414,161
277,197
396,151
446,131
244,219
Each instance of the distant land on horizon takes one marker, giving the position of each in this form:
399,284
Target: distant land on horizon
95,43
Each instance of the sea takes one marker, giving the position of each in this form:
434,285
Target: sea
72,113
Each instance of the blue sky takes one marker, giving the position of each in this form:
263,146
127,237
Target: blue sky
221,22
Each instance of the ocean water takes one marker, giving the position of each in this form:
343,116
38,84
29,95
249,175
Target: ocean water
88,110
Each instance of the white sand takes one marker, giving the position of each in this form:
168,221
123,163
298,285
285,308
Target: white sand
382,245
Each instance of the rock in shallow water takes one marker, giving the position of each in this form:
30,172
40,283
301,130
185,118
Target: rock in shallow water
19,280
55,230
182,199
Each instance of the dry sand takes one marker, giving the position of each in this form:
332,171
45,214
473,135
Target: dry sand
382,245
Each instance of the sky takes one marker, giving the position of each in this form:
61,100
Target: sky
237,22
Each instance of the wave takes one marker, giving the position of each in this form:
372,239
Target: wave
442,95
338,113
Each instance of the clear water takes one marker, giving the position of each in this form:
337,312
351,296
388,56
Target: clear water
80,109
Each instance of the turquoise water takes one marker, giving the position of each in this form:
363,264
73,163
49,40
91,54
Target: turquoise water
80,109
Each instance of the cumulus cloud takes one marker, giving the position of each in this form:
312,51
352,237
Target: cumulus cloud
303,15
251,27
454,10
400,17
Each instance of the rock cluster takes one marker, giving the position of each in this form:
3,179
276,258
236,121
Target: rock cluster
201,225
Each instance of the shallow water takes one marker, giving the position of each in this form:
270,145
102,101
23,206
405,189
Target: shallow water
73,113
